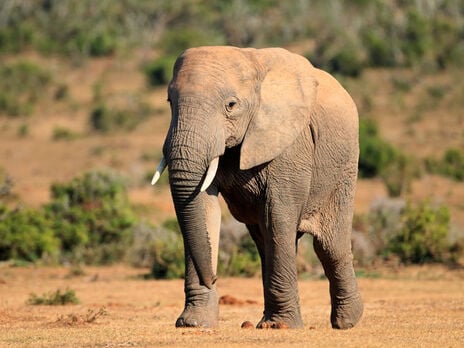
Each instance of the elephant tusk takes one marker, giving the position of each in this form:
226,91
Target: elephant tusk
210,174
159,171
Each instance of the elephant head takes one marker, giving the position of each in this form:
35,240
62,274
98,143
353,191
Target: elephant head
222,97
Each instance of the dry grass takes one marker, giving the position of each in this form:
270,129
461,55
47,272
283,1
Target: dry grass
415,307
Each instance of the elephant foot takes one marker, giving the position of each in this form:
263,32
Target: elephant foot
345,314
280,323
201,310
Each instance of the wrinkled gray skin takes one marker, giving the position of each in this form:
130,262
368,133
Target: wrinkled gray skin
287,134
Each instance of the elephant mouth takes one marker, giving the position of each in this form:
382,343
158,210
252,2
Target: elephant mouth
209,177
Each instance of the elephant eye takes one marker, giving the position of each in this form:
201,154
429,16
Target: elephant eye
230,105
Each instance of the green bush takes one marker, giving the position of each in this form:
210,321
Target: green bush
88,220
374,153
451,164
346,62
379,49
17,30
55,298
416,41
377,158
168,252
398,174
92,218
159,72
21,85
175,41
412,233
338,56
243,261
26,234
105,119
423,236
102,44
60,133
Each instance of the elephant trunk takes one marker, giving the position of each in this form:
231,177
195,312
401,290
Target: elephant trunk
188,165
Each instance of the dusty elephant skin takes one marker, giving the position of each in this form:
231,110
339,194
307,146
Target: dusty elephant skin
278,139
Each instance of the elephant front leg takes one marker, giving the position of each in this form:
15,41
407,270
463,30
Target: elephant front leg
201,301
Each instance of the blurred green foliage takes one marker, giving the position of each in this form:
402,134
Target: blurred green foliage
54,298
451,164
159,71
412,233
26,234
22,83
107,119
423,236
244,260
168,252
378,158
375,153
88,220
349,35
91,217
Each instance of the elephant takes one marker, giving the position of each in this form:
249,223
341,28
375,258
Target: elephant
278,139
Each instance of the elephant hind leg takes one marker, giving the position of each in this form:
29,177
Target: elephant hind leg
333,247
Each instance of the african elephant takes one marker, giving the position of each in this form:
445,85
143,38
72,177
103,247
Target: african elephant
278,139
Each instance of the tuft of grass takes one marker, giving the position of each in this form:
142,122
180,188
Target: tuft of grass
60,133
54,298
78,319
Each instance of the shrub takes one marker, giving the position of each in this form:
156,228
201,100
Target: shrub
417,37
55,298
244,259
88,220
92,217
159,72
105,119
347,61
409,233
177,40
398,174
21,85
379,158
379,49
451,164
26,234
383,223
337,56
168,251
60,133
374,153
423,236
23,130
102,44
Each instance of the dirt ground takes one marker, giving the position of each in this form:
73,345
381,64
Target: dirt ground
414,307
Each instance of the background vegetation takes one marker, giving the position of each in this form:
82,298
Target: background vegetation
401,60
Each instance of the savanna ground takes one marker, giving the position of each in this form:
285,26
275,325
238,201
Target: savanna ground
410,307
413,307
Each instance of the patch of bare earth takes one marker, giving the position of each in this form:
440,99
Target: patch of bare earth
415,307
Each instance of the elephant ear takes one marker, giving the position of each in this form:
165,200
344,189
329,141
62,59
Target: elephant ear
288,93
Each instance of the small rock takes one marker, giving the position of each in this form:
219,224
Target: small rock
247,325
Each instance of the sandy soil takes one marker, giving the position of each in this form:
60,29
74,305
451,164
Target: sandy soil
420,307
